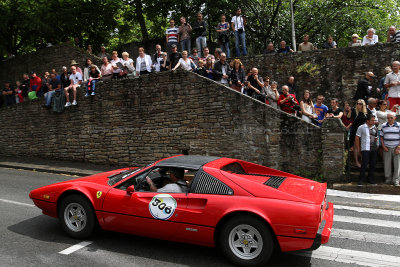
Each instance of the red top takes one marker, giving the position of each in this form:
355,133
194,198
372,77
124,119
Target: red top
35,81
288,105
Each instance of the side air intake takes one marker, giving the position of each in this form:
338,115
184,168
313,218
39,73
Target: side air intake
275,181
207,184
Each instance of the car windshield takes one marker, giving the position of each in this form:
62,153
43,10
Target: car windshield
115,178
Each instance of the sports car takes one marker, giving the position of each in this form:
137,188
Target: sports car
246,210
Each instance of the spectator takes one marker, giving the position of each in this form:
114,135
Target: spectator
270,49
354,41
89,49
217,53
172,35
57,75
164,63
335,111
76,64
76,80
284,49
390,140
366,142
348,117
86,70
54,85
185,62
329,43
127,65
45,84
392,83
8,93
143,61
363,87
370,38
35,84
393,36
381,85
78,43
18,92
221,70
292,87
237,76
94,76
201,70
320,110
223,35
206,54
209,68
371,107
270,92
200,32
238,27
307,108
106,69
64,78
103,53
184,34
157,57
195,56
25,85
361,116
116,65
381,114
287,101
174,57
306,45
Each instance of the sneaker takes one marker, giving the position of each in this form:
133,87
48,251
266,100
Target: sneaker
92,93
74,103
388,181
86,94
397,184
67,104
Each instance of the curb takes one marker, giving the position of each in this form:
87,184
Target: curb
55,171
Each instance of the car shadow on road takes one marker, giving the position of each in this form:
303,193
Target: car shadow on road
47,229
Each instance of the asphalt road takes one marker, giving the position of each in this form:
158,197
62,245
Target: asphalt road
366,232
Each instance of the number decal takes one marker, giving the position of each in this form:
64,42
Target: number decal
162,206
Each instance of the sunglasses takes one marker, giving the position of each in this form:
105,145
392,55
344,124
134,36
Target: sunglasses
359,103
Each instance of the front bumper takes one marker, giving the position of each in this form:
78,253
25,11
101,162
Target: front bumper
325,228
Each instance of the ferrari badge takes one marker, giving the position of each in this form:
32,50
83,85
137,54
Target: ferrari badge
99,194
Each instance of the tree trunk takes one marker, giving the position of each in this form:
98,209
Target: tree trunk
140,18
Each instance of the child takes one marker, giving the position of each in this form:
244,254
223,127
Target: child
201,70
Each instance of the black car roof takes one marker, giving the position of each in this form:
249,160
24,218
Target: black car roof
189,162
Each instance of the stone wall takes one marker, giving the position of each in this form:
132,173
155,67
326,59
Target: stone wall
43,60
332,73
136,121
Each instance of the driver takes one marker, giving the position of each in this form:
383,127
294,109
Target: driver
176,176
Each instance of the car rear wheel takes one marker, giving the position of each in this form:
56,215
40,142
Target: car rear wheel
77,216
246,241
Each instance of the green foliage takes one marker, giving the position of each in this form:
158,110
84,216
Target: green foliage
309,68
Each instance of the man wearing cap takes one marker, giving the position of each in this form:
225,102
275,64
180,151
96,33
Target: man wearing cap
76,80
75,64
354,41
174,56
172,35
392,83
363,87
35,84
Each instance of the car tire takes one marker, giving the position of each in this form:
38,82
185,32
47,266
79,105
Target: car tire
77,216
246,241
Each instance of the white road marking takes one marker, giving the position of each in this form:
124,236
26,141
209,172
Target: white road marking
367,221
366,236
75,247
368,210
351,256
17,203
338,193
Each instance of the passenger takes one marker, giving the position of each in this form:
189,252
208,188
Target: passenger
178,185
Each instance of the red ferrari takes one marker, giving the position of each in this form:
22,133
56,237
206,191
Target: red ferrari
245,209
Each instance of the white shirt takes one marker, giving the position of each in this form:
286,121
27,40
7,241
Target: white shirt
170,188
238,22
114,64
364,133
128,63
392,77
367,41
186,65
75,78
224,81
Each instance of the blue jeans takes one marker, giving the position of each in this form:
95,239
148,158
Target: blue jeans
186,45
225,48
201,42
48,96
240,39
93,86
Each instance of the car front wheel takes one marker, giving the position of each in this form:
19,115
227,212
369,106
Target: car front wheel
246,241
77,216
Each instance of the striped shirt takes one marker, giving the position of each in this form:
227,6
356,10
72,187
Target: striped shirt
172,34
368,137
396,37
391,134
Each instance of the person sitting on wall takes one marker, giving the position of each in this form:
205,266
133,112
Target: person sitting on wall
393,36
284,49
270,49
354,41
54,85
8,93
76,80
287,101
94,77
329,43
371,38
35,84
106,69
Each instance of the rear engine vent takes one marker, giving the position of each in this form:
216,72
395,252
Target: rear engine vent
207,184
275,181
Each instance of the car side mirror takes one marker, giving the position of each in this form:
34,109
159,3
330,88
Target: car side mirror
130,190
